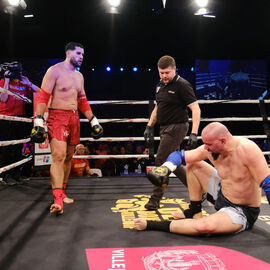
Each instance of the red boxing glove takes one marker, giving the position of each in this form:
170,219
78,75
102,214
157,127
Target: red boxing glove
83,104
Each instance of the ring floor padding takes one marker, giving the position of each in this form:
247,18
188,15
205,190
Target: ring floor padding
32,238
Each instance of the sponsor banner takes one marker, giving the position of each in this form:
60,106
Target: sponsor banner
174,258
43,148
42,160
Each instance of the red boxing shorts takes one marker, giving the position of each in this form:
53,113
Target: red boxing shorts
64,126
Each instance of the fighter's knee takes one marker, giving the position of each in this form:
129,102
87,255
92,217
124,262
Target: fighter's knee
203,226
58,156
194,166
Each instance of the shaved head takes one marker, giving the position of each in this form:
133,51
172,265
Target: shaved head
215,137
215,130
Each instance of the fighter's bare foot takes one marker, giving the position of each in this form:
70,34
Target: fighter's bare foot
68,200
140,224
180,215
56,209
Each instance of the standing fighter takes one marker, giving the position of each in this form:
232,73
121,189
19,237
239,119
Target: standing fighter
240,169
65,86
173,95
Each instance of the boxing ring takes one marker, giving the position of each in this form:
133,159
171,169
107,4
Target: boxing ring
99,223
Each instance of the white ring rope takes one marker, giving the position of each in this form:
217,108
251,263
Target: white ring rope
145,120
15,118
136,120
25,99
125,139
117,139
5,143
14,165
109,156
126,102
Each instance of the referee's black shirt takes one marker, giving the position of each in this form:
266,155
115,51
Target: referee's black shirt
172,100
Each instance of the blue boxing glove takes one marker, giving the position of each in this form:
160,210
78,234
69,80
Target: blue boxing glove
265,184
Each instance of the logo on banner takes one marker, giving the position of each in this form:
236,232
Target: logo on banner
134,208
182,259
44,145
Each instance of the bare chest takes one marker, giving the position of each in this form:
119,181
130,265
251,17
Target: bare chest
231,167
68,82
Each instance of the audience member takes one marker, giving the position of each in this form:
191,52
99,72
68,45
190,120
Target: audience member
80,167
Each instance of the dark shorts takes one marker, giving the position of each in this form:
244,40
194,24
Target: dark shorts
64,126
239,214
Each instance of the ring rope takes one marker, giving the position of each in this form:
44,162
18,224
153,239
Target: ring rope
15,118
117,139
145,120
13,142
25,99
121,156
122,139
109,156
14,165
126,102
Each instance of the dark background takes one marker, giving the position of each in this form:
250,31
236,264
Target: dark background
139,35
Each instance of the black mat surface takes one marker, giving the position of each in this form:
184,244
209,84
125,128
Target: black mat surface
32,238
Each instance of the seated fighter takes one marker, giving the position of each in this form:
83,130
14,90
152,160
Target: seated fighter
239,169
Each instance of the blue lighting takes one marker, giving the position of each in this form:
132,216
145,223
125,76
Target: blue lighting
78,68
108,69
192,69
121,69
135,69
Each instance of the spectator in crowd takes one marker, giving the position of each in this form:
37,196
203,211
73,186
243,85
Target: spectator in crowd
121,163
144,162
80,167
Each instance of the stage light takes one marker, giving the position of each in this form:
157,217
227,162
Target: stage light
121,69
14,2
28,16
114,3
135,69
149,69
202,3
93,69
108,69
78,68
192,69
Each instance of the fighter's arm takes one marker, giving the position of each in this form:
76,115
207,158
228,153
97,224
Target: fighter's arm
38,133
177,158
84,107
255,161
47,86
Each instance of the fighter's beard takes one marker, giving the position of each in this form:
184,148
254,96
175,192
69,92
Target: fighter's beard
74,63
215,156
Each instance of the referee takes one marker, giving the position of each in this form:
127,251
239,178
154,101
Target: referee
174,95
